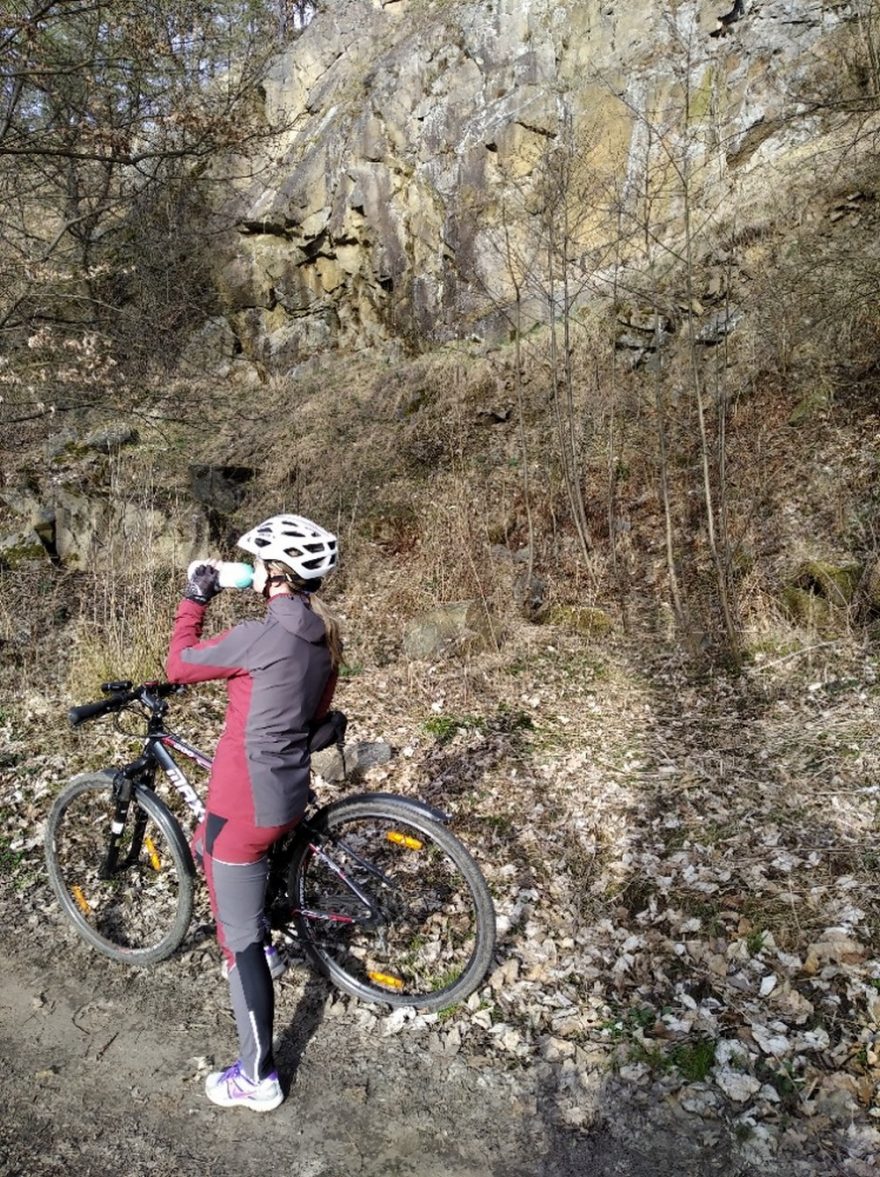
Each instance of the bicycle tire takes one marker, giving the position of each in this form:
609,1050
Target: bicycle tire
141,914
436,942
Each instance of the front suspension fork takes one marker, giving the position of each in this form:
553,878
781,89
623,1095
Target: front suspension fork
122,793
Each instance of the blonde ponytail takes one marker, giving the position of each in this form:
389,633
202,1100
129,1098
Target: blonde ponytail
331,628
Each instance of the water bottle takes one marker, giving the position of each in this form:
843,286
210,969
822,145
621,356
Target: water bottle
237,576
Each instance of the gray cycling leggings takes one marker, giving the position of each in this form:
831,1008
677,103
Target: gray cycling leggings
238,891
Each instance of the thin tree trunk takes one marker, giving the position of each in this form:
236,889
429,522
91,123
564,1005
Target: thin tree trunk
731,633
664,482
520,408
566,457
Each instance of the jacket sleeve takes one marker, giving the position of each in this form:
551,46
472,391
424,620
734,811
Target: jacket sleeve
191,660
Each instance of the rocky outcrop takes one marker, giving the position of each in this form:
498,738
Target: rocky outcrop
81,529
71,510
821,595
419,137
20,548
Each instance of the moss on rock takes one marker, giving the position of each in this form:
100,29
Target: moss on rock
21,548
806,608
835,582
448,630
582,619
810,406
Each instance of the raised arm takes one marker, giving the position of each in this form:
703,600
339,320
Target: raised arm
191,660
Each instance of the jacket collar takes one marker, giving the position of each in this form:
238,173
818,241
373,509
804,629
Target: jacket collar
295,615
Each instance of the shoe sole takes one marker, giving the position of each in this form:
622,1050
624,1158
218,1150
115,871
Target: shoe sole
218,1094
268,1105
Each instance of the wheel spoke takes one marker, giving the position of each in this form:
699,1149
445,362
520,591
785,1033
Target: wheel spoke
141,910
430,933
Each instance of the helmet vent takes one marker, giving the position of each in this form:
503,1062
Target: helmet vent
299,544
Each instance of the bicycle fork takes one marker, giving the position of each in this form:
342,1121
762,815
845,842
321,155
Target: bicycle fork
123,783
142,770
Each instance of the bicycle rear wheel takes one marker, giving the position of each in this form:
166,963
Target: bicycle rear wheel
140,914
429,941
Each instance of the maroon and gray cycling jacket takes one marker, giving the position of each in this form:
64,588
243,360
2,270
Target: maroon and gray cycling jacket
279,678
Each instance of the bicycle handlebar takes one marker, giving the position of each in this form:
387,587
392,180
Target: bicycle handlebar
78,715
118,700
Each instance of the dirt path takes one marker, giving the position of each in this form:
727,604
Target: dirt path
103,1074
648,913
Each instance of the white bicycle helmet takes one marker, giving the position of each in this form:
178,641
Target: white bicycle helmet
302,546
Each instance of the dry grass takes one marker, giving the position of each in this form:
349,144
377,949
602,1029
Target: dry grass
122,631
442,472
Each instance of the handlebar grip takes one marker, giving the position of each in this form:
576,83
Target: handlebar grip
120,699
78,715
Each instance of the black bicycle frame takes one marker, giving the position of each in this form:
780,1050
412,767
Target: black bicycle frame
337,917
143,771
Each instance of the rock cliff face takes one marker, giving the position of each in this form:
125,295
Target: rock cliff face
420,144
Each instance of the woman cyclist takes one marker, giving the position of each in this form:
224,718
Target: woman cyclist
281,673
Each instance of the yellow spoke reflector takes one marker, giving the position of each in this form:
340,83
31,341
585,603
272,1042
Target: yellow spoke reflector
81,902
404,840
388,981
155,860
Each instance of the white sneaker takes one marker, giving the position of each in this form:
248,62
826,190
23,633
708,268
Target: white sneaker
231,1088
276,962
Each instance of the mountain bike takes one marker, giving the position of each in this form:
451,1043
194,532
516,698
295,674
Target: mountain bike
382,897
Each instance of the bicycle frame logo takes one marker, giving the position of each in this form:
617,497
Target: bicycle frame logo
174,773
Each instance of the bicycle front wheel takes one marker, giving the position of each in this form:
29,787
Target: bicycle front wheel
140,913
426,939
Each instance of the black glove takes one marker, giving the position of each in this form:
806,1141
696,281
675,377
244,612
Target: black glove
203,584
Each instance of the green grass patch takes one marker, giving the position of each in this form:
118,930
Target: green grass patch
445,727
10,860
755,941
623,1024
693,1060
651,1055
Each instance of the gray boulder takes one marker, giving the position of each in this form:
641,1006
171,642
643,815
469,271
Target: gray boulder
211,350
447,630
330,766
83,530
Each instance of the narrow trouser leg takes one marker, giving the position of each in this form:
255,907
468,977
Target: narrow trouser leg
238,893
253,1004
